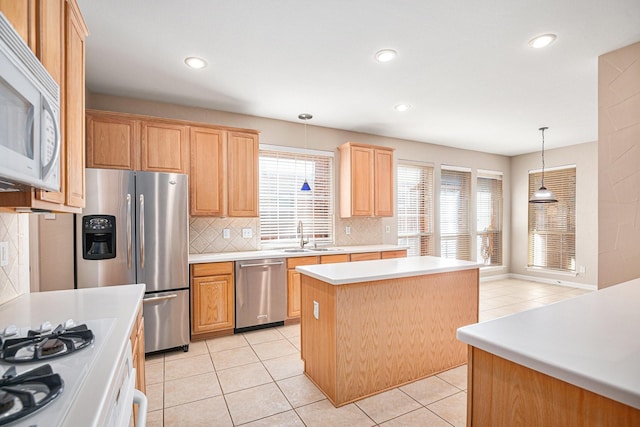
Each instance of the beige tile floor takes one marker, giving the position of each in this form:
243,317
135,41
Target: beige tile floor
256,378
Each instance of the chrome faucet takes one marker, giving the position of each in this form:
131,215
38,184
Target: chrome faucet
301,232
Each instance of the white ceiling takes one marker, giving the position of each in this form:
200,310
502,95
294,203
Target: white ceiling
464,66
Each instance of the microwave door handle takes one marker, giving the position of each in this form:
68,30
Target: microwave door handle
142,231
29,132
47,169
129,230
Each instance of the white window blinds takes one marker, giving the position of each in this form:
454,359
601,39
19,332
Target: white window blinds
283,204
415,208
455,234
489,218
552,226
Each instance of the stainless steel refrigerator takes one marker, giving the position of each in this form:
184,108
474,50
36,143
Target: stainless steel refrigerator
134,229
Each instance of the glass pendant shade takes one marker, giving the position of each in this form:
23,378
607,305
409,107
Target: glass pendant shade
305,186
543,195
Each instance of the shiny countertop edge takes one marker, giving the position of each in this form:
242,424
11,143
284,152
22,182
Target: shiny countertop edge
120,303
383,269
590,341
280,253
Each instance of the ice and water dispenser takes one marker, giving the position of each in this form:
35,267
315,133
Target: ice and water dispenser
98,236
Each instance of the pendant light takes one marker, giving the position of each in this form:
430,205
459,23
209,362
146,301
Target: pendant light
543,195
305,117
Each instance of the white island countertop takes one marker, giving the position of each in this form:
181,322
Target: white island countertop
119,304
591,341
283,253
383,269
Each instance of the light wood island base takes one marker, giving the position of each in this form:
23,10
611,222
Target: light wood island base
373,336
504,393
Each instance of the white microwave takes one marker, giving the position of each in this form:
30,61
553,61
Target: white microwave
29,117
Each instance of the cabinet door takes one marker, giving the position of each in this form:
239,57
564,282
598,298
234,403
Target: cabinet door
333,259
50,50
213,303
164,147
112,142
383,179
394,254
74,105
293,294
207,180
22,16
362,163
242,169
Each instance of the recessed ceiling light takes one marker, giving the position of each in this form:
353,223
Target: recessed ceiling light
542,41
195,62
386,55
401,107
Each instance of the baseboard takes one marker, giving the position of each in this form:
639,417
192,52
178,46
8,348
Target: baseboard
553,281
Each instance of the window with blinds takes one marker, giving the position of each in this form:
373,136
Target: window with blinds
489,218
415,208
455,233
283,204
552,226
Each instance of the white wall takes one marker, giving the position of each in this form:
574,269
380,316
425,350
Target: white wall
585,157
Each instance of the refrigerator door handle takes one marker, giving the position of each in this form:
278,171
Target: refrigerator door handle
129,230
142,231
155,300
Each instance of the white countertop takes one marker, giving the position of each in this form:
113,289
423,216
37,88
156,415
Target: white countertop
367,271
120,303
591,341
280,253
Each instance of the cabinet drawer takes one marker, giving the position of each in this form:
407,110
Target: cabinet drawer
331,259
365,256
303,260
212,269
394,254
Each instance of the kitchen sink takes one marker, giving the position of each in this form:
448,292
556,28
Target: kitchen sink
295,250
298,250
325,250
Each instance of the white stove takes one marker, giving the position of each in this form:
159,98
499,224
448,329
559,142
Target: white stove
73,368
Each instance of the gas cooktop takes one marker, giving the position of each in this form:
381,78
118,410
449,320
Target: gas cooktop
44,369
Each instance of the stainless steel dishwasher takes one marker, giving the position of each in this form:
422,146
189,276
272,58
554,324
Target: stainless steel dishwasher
261,293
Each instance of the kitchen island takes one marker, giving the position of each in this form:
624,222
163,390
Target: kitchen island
370,326
98,379
573,363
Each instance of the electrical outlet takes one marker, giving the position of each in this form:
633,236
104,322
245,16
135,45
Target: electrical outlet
4,254
387,229
247,233
347,230
583,269
226,233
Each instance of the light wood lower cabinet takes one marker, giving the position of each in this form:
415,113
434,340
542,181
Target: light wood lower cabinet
212,300
393,254
137,347
365,256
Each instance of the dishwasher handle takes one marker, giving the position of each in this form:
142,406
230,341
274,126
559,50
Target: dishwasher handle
155,300
266,264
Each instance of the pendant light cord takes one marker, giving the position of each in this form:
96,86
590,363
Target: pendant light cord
543,129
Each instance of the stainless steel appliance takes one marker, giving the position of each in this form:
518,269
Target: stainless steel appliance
29,117
134,229
261,293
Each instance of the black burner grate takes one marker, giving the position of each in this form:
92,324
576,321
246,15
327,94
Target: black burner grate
28,392
41,346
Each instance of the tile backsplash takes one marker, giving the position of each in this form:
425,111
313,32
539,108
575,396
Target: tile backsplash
14,277
206,235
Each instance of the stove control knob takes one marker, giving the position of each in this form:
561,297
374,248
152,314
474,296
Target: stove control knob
69,324
45,326
10,330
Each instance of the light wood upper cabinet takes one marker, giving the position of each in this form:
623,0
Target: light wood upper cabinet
212,299
55,31
224,173
22,14
164,147
242,173
207,179
366,180
112,141
126,141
